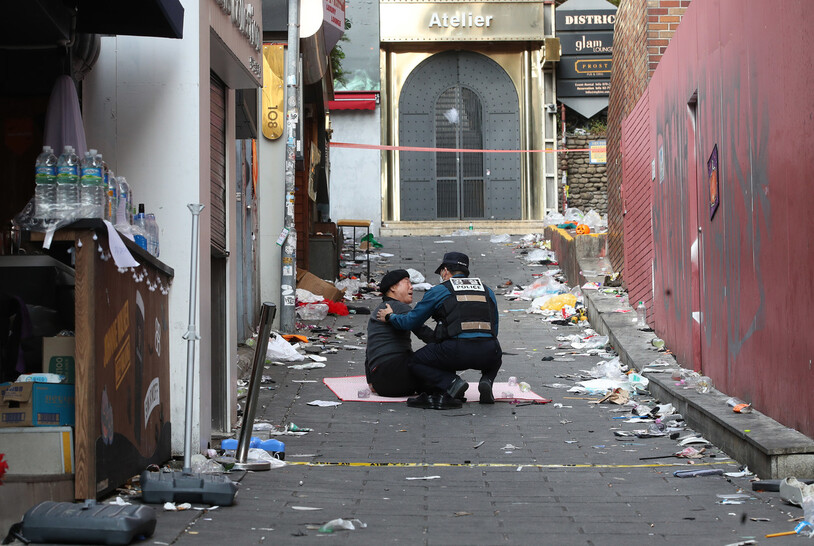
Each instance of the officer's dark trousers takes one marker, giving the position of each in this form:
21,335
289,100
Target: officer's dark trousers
435,364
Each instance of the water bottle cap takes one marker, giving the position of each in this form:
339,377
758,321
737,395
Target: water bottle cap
93,151
47,149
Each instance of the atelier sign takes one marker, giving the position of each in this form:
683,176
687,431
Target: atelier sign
412,21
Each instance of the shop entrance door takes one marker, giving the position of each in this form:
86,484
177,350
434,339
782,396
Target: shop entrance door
459,100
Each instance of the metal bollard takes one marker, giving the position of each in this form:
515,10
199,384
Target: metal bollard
241,454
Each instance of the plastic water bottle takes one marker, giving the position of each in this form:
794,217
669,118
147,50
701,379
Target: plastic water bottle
111,193
123,209
140,228
152,235
67,183
641,315
91,186
45,176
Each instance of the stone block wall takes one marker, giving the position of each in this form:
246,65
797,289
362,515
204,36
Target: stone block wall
587,183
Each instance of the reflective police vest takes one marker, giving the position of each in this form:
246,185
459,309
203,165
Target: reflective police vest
468,309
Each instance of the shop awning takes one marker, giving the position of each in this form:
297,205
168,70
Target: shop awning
160,18
353,101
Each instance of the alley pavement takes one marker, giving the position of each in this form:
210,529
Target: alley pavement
485,474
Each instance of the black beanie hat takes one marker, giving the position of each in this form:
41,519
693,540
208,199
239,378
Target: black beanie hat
390,278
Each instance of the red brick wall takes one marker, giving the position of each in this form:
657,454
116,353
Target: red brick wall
642,32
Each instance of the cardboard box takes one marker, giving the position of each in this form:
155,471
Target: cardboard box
58,356
38,451
36,404
315,285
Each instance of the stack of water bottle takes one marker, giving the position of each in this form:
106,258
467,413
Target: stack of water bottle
67,189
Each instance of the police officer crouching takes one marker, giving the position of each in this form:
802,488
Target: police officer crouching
466,316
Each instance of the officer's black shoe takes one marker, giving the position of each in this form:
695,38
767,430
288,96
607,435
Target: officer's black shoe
458,389
485,389
423,401
445,401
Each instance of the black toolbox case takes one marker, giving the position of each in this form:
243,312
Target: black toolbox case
66,522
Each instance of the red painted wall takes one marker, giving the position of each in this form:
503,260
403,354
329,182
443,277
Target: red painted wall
739,76
637,201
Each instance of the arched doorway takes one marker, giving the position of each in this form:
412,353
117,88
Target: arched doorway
459,99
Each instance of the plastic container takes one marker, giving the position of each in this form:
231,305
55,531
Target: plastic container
739,406
363,393
152,235
641,315
512,381
524,387
703,384
91,186
275,447
45,177
124,208
140,228
111,193
67,183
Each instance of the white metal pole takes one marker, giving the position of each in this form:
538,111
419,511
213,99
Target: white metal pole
292,118
191,336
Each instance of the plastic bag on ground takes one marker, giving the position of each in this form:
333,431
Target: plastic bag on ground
573,214
350,286
594,342
201,465
556,302
540,255
543,287
610,369
313,311
280,349
504,238
308,297
415,276
592,220
553,218
340,524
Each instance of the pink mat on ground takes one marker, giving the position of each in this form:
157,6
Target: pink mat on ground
347,389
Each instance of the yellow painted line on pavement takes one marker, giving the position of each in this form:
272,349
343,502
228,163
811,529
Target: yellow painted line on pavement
505,465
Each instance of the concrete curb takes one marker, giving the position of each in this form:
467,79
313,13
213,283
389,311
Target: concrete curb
770,449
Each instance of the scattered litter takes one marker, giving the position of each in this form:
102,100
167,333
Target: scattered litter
476,446
305,508
459,514
693,440
120,502
444,241
415,276
307,366
504,238
733,498
172,507
324,403
698,472
317,358
281,350
341,525
508,446
423,478
745,473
